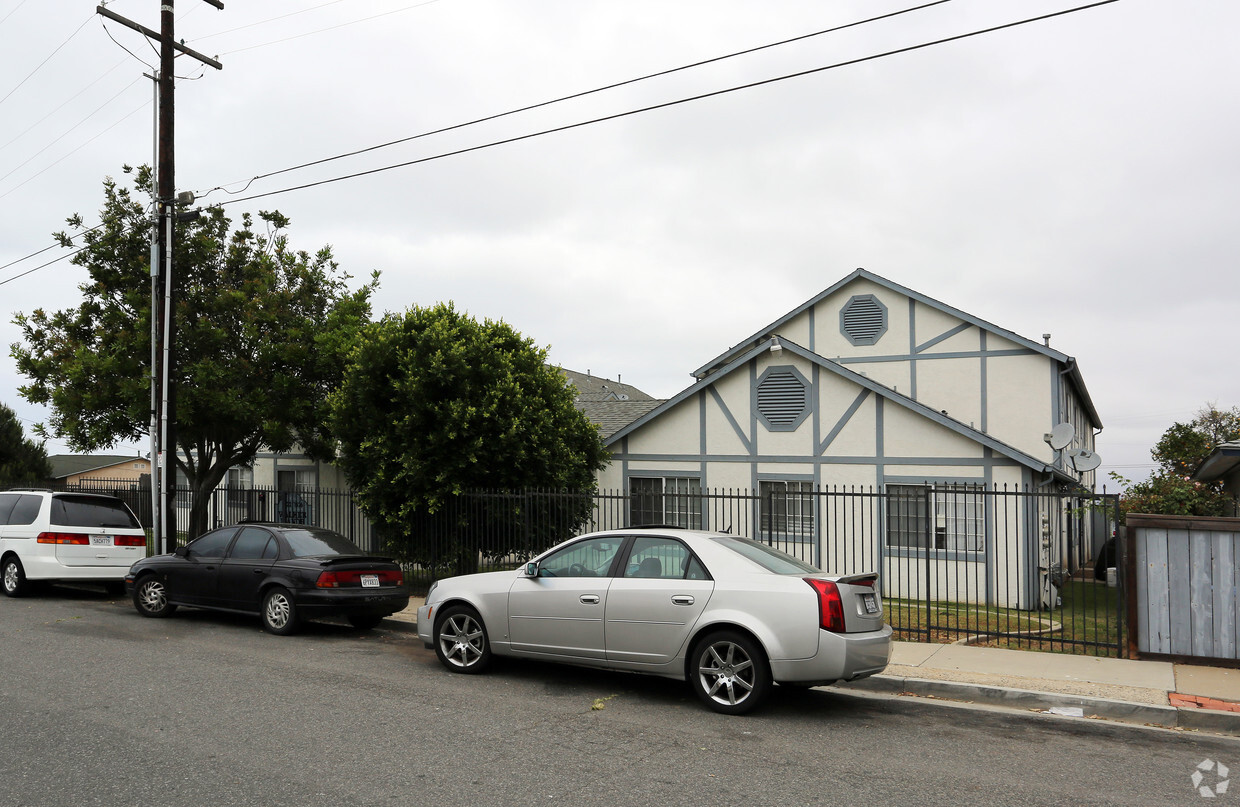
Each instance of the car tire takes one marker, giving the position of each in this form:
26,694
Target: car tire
365,622
729,672
150,597
14,579
461,640
279,612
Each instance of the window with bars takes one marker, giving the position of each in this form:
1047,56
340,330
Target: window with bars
786,509
674,501
948,517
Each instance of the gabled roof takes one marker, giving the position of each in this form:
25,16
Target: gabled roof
772,329
611,416
740,360
1220,463
64,465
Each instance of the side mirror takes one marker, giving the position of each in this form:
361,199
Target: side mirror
531,569
181,551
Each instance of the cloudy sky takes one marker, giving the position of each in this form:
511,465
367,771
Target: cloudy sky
1078,175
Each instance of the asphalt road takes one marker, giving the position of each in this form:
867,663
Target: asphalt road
101,706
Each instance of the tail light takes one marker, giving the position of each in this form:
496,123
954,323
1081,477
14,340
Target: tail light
830,605
73,538
129,540
353,579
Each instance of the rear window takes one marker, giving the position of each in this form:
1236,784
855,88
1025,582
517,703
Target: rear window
310,542
767,557
91,511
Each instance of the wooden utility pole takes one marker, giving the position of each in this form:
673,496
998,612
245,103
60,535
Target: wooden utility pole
163,464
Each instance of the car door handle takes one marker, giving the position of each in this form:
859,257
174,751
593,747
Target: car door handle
259,571
682,599
590,599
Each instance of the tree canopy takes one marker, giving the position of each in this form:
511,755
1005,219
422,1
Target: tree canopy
262,331
434,403
1170,490
22,461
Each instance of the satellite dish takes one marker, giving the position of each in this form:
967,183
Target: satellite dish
1083,460
1060,436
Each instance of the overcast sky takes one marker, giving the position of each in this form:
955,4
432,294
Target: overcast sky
1078,176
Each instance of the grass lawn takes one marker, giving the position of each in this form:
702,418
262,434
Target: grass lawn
1087,622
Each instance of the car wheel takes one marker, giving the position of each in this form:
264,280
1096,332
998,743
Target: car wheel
14,578
365,622
728,671
279,613
461,640
150,597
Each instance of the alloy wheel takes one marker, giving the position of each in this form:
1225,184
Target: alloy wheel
462,640
726,672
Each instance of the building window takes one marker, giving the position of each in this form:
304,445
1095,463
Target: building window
783,398
786,509
672,501
948,517
240,482
863,319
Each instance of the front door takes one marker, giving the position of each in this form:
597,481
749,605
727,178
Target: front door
560,612
655,602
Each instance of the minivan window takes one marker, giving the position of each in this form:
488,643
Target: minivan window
26,511
7,500
91,511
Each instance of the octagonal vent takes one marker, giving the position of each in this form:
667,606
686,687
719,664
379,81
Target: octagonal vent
863,319
783,400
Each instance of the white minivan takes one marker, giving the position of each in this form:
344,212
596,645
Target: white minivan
65,536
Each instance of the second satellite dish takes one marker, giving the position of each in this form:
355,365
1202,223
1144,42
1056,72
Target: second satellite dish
1083,460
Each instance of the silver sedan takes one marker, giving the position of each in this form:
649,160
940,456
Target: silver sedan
729,615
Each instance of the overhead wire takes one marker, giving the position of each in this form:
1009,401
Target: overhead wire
45,61
329,28
577,95
668,104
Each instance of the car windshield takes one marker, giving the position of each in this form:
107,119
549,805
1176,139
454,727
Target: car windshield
310,542
767,557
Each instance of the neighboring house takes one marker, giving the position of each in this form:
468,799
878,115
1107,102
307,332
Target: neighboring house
873,386
74,469
609,404
1223,465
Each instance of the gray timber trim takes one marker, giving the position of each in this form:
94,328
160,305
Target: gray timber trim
1037,347
819,448
748,359
727,414
924,346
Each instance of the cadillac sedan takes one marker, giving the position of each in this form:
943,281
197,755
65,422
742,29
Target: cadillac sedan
283,572
729,615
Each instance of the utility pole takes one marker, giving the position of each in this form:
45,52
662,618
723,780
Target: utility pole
163,459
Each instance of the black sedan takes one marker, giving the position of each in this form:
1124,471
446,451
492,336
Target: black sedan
282,572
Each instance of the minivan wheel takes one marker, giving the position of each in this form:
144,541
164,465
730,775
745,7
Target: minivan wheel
13,577
729,673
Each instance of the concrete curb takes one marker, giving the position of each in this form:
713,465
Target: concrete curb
1120,711
1146,714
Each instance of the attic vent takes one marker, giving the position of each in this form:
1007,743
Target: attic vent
863,319
783,400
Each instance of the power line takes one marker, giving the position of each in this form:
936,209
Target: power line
45,61
98,79
583,94
269,19
329,28
667,104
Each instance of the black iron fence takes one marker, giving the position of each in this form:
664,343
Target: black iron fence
957,563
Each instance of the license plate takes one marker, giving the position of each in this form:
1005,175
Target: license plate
870,601
101,540
370,581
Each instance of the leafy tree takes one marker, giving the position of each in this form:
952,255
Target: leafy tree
1184,446
261,334
1179,452
434,404
22,461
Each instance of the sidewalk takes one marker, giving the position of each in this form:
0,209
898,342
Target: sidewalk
1159,693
